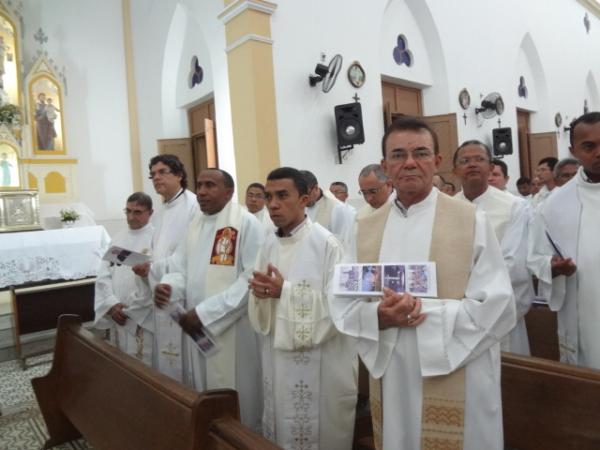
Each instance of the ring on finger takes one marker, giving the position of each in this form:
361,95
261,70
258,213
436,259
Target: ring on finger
409,318
266,291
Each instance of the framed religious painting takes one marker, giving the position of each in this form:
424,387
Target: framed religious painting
10,177
19,211
47,119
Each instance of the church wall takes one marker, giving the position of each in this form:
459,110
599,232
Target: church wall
85,40
473,44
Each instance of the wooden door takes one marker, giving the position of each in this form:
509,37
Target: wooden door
541,145
182,148
523,132
400,100
445,127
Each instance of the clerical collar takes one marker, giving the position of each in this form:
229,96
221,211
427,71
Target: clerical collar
279,232
179,194
401,207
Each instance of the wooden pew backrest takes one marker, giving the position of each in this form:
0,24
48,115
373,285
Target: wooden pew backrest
549,405
117,402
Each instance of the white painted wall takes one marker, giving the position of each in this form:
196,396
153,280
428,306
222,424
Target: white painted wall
482,45
85,38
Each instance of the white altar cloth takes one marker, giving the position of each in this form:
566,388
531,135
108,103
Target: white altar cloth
70,254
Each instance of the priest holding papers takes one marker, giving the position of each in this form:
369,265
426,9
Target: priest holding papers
309,368
208,275
434,362
123,302
568,244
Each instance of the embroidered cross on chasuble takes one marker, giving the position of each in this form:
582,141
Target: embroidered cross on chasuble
442,416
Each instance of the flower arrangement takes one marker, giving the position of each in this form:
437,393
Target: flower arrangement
69,215
10,114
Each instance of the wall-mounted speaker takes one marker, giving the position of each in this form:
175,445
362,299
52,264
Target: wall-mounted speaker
349,124
502,138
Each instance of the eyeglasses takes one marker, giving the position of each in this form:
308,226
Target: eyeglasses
365,192
160,172
477,159
421,154
257,196
134,212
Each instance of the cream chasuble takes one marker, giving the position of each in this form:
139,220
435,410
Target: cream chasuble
460,332
118,284
335,216
210,273
571,216
309,368
509,216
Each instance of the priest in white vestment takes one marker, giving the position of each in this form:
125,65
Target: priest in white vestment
323,208
509,216
545,173
309,369
170,222
255,203
435,362
569,242
209,275
123,301
375,187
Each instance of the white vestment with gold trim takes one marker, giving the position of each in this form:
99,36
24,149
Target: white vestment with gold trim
309,368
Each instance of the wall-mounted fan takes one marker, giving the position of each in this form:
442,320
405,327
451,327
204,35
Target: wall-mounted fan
326,73
491,106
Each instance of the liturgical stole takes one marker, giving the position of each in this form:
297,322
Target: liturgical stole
442,422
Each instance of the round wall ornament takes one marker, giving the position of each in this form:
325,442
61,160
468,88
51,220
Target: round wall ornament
356,74
558,120
464,99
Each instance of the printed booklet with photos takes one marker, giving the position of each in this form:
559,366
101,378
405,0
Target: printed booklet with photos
120,255
368,280
205,341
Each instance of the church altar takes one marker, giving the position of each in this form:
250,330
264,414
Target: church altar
67,254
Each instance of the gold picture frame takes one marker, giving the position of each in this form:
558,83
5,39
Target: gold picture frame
46,114
19,211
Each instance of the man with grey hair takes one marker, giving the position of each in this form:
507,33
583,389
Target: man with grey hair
375,187
564,170
122,301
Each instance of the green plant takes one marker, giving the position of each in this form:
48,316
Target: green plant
69,215
10,114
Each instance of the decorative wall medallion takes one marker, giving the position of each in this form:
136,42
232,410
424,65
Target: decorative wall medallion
522,89
464,99
402,55
586,23
356,74
558,120
196,73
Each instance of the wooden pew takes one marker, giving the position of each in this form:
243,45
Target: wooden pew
549,405
117,402
545,404
542,332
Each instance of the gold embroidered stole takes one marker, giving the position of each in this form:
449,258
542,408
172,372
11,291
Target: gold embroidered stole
442,422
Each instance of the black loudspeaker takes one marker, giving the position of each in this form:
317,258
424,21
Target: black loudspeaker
502,141
349,124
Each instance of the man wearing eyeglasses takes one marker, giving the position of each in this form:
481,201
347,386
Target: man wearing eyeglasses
170,222
431,358
123,302
255,203
509,216
375,187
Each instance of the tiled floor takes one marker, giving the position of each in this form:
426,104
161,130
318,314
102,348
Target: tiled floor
15,385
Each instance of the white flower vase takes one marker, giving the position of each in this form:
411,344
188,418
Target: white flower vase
68,223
